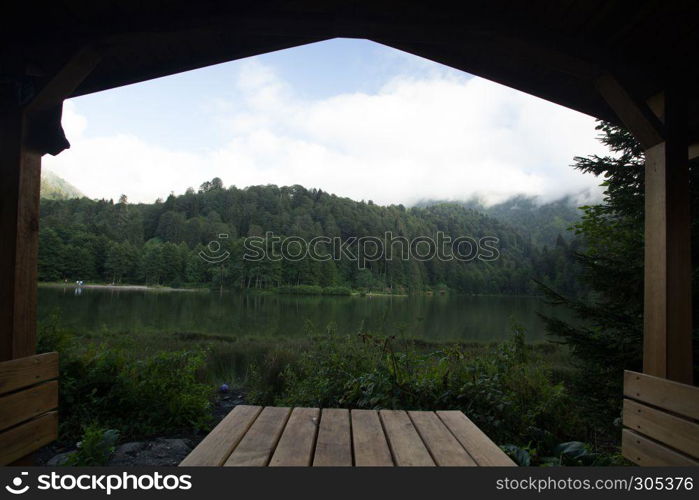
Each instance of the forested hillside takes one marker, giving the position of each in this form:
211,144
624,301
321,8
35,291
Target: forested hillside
54,187
540,223
160,243
543,223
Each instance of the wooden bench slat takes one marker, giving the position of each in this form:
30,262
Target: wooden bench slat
296,445
481,448
679,398
334,444
676,432
24,372
255,449
217,446
440,442
405,443
645,451
27,404
368,440
28,437
260,436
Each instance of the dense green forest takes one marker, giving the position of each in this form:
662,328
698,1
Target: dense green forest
541,224
160,243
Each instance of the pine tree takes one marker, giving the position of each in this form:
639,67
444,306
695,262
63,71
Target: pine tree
606,337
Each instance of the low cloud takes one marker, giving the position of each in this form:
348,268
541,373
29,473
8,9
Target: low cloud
436,136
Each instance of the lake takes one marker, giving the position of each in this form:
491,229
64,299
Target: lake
436,318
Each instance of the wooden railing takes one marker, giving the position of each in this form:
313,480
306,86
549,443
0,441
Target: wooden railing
28,399
661,421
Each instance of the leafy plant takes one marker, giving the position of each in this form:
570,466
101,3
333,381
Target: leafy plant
570,453
95,448
139,394
521,456
506,389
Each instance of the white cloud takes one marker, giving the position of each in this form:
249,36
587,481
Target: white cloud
435,137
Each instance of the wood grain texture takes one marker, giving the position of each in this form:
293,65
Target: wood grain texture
217,446
11,135
63,83
406,445
675,432
27,404
20,170
334,444
645,451
440,442
296,446
667,332
655,264
23,439
679,334
255,436
636,116
666,394
23,372
256,448
481,448
368,440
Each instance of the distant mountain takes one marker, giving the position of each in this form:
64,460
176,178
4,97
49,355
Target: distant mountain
54,187
540,223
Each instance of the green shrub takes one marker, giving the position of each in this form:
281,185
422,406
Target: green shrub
337,290
139,394
266,378
52,337
573,453
95,448
505,389
145,396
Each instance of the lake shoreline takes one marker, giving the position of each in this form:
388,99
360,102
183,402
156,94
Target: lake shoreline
253,291
130,288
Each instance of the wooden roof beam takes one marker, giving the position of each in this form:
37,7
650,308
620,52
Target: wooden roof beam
63,83
44,133
636,116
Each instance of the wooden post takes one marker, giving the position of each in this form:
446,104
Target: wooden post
660,125
29,128
667,346
20,170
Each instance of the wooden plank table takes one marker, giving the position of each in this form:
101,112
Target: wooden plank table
271,436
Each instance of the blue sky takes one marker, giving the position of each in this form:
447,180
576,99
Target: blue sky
348,116
176,111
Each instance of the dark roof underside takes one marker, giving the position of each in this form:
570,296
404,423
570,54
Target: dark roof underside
551,49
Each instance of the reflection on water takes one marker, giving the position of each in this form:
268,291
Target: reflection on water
449,317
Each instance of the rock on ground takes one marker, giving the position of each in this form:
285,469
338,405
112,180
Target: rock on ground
59,459
161,451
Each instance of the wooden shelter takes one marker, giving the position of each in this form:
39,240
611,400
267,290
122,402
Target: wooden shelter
629,62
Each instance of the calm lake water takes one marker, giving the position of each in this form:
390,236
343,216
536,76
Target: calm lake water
451,317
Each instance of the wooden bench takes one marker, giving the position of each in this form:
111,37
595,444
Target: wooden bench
28,396
661,421
272,436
